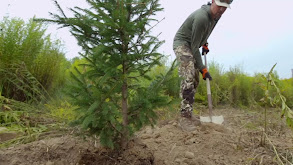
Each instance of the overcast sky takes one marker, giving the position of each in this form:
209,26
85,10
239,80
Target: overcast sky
254,34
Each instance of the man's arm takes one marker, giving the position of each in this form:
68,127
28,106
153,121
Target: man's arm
198,30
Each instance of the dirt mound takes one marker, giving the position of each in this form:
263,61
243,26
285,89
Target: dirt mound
209,144
237,141
234,142
59,150
70,150
136,153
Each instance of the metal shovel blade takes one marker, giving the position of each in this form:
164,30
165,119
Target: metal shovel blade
214,119
210,118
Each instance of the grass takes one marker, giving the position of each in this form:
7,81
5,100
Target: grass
26,123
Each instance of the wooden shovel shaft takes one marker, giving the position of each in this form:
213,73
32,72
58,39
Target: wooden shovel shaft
209,91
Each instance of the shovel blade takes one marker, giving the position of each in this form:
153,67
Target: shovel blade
215,119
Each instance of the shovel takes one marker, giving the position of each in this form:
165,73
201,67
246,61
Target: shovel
210,118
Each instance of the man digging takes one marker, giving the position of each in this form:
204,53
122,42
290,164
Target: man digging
193,34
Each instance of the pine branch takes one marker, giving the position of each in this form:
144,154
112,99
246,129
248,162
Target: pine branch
59,8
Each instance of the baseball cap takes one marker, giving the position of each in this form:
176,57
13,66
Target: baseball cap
223,3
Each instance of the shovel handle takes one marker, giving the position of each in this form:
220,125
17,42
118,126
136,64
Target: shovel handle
209,91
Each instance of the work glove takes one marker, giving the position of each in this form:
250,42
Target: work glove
206,74
205,49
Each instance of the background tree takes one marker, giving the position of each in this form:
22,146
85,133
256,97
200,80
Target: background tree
119,51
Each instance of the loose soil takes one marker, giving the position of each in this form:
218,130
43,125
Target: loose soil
236,142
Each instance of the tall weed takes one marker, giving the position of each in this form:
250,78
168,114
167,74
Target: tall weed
30,63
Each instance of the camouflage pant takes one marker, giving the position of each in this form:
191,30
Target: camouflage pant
189,75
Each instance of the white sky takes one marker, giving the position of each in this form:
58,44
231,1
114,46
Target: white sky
254,34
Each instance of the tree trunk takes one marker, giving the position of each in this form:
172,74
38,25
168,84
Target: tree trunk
124,139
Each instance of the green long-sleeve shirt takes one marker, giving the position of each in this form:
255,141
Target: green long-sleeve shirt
195,31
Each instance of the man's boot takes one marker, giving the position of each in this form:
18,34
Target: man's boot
196,120
188,122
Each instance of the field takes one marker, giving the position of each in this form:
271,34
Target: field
237,141
118,101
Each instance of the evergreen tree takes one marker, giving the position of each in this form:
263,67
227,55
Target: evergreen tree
119,52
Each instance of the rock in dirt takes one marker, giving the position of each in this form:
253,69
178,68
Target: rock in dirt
177,160
149,130
158,140
189,155
49,163
146,136
191,141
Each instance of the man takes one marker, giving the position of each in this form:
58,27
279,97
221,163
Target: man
192,34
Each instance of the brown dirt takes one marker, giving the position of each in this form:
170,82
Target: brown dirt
237,141
7,136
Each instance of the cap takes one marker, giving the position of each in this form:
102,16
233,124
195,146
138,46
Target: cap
223,3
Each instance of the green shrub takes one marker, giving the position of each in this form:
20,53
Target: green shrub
286,88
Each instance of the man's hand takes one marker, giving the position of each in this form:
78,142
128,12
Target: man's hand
205,49
206,74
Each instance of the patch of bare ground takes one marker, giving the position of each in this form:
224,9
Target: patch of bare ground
237,141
